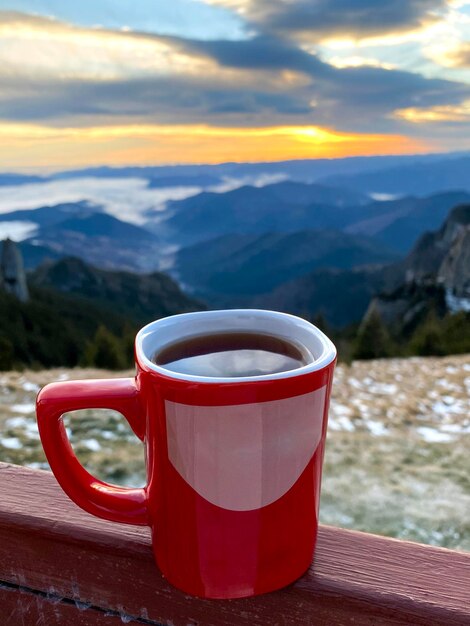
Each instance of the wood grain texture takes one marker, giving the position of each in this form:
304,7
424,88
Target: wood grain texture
22,607
50,546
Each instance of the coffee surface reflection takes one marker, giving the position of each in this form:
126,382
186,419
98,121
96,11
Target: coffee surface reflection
232,355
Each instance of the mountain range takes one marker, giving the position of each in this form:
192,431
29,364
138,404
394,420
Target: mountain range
70,301
307,170
290,207
419,178
437,270
137,297
305,236
233,268
84,230
281,207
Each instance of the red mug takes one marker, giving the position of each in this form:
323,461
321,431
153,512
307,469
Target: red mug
233,464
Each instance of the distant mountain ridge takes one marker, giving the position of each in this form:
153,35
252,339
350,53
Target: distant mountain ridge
307,170
51,215
419,178
84,230
140,297
340,296
290,207
400,223
280,207
434,275
10,179
244,266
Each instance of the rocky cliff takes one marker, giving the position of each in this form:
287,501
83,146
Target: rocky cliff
12,274
436,275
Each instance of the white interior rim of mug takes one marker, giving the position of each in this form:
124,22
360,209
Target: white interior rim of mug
159,334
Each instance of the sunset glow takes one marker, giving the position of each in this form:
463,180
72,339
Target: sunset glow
230,80
121,145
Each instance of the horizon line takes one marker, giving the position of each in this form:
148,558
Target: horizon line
51,171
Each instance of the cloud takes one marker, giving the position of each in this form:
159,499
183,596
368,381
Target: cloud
73,76
316,20
64,76
34,46
460,56
351,99
376,83
444,113
266,52
126,198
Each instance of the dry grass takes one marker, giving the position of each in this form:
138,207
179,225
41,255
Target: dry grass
397,459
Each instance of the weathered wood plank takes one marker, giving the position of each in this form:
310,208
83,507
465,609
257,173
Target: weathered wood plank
23,607
49,545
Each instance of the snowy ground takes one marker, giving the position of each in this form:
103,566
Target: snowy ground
397,460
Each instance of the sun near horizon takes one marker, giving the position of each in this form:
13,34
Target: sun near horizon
32,146
211,81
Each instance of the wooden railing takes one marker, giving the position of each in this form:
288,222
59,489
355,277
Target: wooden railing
61,566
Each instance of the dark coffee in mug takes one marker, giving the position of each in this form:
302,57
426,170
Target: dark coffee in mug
232,355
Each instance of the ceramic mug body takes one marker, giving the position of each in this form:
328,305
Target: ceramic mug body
233,464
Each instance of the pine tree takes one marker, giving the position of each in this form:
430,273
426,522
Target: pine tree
373,340
128,339
105,351
428,339
320,322
6,354
456,332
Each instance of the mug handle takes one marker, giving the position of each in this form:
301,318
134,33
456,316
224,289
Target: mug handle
117,504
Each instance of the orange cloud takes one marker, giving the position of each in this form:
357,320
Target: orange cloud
443,113
30,145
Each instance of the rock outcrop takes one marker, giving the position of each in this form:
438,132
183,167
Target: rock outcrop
437,275
12,274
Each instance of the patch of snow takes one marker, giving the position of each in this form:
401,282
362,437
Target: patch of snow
354,383
108,434
37,465
364,409
340,423
459,429
12,443
376,428
340,409
16,422
28,426
92,444
383,388
28,386
444,408
432,435
455,304
25,407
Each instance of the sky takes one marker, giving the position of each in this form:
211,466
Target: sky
204,81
